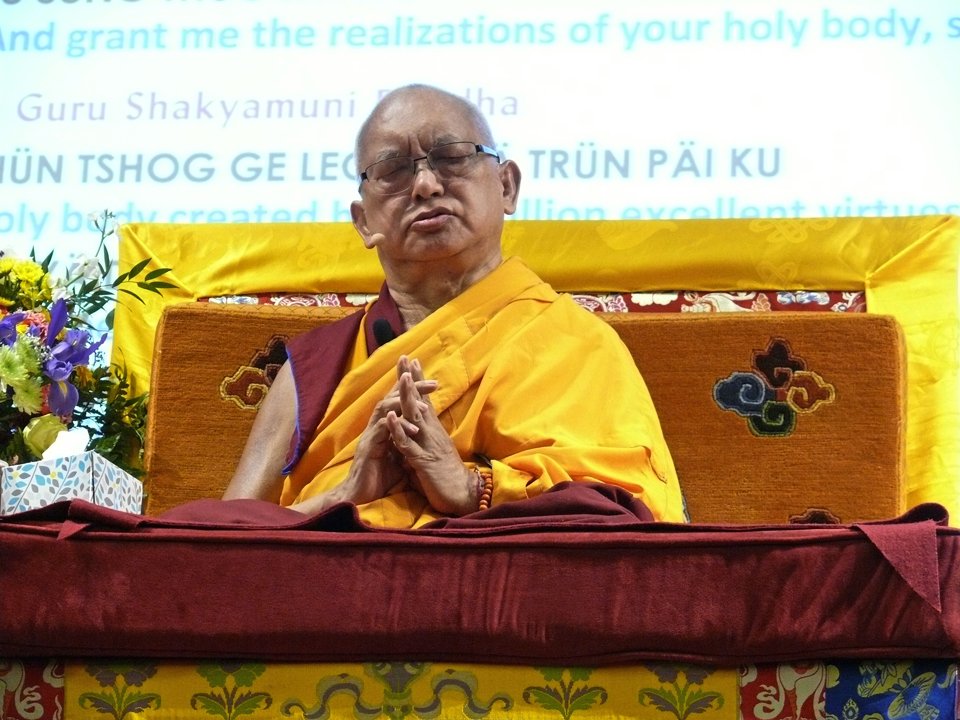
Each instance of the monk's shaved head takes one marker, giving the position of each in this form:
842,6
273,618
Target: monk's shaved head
425,94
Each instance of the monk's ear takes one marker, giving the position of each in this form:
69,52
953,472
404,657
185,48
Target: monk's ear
359,216
510,179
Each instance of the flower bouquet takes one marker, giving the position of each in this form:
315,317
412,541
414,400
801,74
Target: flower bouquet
53,375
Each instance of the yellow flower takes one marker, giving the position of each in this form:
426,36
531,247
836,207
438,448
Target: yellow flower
20,370
23,283
27,396
82,376
40,433
12,371
28,271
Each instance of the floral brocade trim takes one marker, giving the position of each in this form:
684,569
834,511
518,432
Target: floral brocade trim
625,302
864,690
31,689
845,690
321,691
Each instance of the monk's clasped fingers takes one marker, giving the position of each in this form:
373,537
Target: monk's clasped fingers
411,403
416,370
403,366
423,385
405,426
391,403
401,431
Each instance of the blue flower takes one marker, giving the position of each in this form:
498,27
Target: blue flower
76,348
62,398
58,320
57,370
8,327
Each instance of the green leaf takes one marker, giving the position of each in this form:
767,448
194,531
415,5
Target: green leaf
107,445
215,675
665,701
247,703
703,703
212,704
136,269
154,274
132,294
101,702
163,284
248,673
588,699
138,702
551,673
148,287
544,699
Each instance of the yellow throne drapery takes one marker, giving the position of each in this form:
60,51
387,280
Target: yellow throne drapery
907,267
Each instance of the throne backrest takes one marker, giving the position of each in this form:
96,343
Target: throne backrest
770,417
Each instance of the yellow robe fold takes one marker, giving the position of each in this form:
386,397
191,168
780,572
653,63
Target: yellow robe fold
527,378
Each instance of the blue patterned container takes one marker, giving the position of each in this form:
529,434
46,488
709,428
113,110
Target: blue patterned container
86,476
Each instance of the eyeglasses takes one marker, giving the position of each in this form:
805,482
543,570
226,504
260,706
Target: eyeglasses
395,175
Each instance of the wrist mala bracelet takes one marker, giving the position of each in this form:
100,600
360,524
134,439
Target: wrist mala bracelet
484,487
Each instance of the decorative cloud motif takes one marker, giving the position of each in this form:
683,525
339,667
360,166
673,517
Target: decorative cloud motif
777,363
803,297
807,390
248,386
744,393
777,418
773,391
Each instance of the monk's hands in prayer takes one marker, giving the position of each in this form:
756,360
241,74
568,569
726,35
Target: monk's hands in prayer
424,445
377,464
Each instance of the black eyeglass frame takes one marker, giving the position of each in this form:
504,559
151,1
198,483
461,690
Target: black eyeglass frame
479,149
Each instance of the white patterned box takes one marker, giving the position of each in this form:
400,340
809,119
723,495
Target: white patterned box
86,476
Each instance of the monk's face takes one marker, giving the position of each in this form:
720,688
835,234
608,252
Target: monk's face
452,222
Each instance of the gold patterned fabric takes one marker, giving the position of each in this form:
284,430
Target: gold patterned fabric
847,689
396,690
906,266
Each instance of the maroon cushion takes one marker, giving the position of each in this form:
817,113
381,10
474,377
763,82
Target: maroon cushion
573,577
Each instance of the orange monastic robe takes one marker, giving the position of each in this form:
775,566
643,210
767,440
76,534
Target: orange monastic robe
527,378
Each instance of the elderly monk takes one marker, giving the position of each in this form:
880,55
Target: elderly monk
469,382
